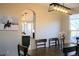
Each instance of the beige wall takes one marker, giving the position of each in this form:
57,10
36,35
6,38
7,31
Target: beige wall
48,25
75,10
65,26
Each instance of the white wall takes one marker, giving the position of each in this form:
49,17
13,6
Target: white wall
10,40
75,10
47,25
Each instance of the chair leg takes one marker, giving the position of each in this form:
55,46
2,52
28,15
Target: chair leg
25,52
49,44
18,51
44,45
55,43
58,43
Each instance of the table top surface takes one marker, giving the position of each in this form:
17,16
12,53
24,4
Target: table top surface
53,51
69,45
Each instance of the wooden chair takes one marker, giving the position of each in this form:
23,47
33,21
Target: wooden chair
68,50
26,41
53,42
41,43
25,45
77,38
22,50
77,49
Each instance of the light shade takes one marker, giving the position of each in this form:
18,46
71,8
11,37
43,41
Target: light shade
60,8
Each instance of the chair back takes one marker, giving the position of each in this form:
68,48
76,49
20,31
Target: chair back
41,43
26,41
53,42
77,38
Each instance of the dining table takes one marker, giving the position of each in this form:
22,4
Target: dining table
52,51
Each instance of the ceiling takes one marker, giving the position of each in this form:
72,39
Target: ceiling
70,5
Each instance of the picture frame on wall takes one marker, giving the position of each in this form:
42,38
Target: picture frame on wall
8,23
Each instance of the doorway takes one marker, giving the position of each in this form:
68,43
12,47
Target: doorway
28,26
28,23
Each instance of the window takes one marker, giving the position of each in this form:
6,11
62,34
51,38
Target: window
74,27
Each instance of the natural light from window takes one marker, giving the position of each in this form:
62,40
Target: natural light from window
74,27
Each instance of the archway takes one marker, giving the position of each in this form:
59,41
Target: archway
28,25
28,22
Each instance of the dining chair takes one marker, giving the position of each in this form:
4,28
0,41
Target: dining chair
53,42
70,50
26,41
22,50
77,38
77,49
41,43
25,45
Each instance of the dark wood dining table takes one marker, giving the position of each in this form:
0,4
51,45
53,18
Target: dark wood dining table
53,51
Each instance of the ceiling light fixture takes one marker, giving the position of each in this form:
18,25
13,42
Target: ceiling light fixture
60,8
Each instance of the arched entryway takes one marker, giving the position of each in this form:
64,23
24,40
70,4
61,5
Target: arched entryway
28,22
28,25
